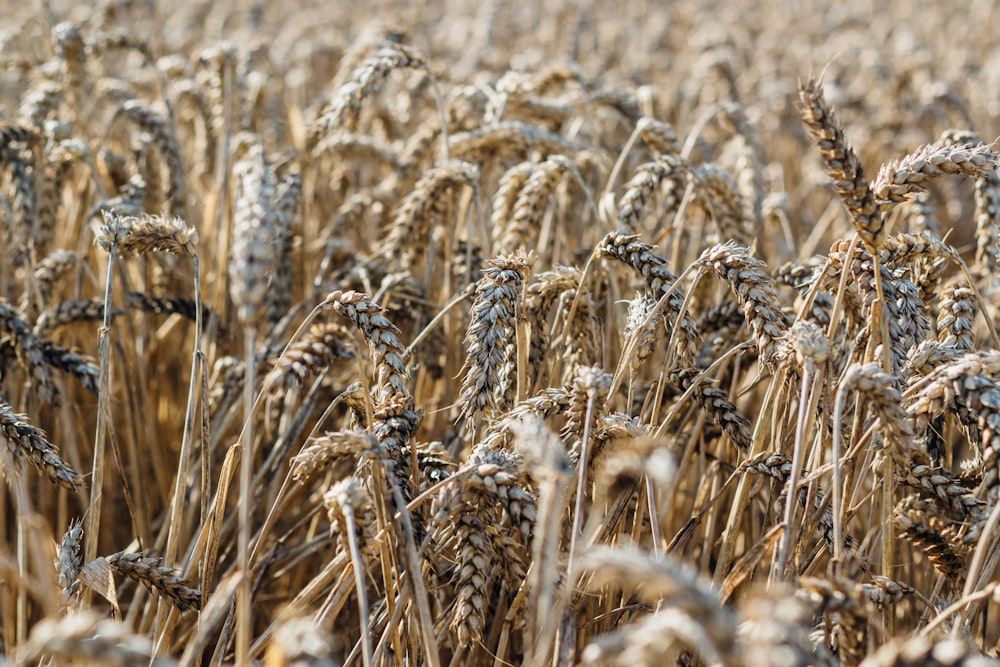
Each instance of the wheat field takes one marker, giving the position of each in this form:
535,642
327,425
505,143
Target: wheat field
453,333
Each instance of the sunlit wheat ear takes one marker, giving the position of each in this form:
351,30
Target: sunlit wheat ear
863,269
541,296
490,363
715,401
899,179
69,312
387,351
137,235
659,280
68,561
520,230
956,317
492,489
841,164
343,110
255,235
754,289
546,404
968,379
423,210
308,357
23,439
885,400
165,581
946,489
19,156
508,138
918,524
287,198
667,174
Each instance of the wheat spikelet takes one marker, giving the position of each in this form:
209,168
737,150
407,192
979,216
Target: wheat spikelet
926,533
897,180
879,388
81,366
946,488
392,378
327,449
287,195
366,81
667,172
641,328
508,138
423,210
658,136
489,384
19,152
128,235
548,403
540,296
754,289
158,305
23,439
846,607
956,317
68,560
255,235
308,357
520,231
841,164
659,279
717,405
69,312
163,580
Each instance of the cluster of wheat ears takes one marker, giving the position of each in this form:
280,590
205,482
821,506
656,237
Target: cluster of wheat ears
463,333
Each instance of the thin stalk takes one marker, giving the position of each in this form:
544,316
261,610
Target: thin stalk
838,493
243,606
176,501
793,477
93,527
359,582
580,487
